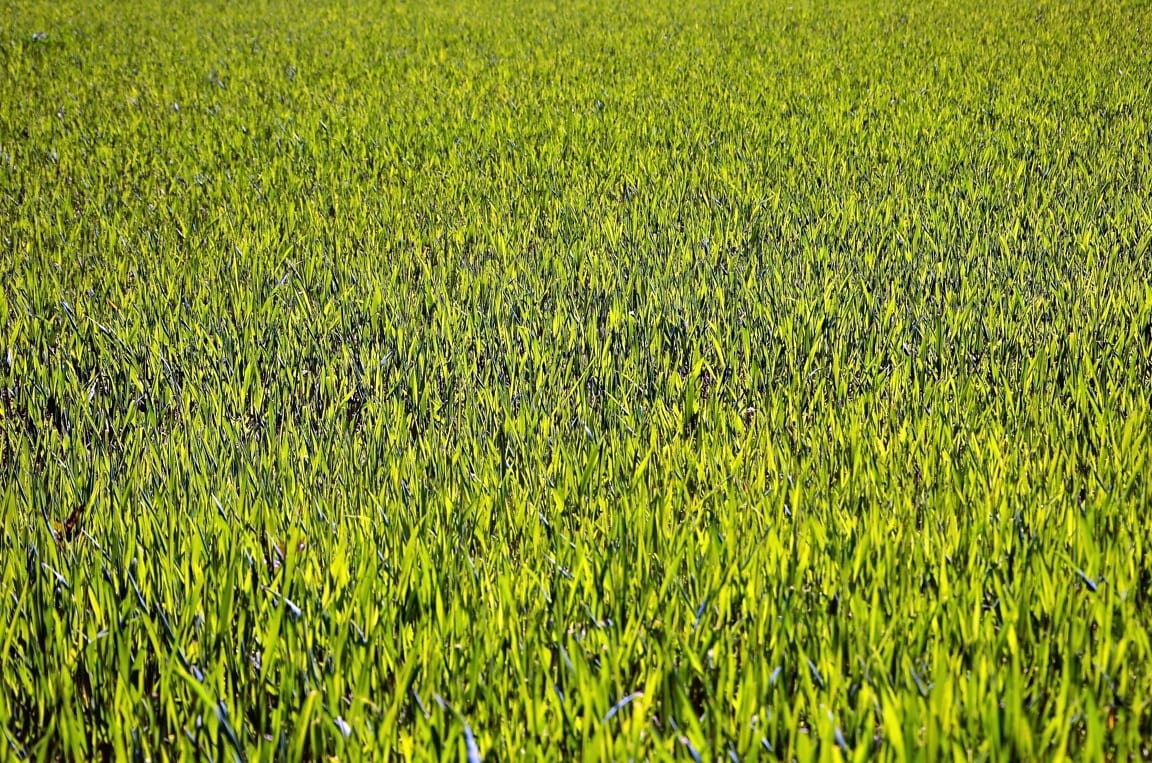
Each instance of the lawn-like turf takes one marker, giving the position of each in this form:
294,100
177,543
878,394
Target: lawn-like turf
583,380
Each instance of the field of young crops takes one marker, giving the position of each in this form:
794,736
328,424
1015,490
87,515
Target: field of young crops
486,379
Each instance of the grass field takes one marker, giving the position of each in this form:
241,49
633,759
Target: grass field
585,380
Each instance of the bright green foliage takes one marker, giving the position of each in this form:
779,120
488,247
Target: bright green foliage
576,379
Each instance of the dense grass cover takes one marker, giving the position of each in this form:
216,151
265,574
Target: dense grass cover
588,380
